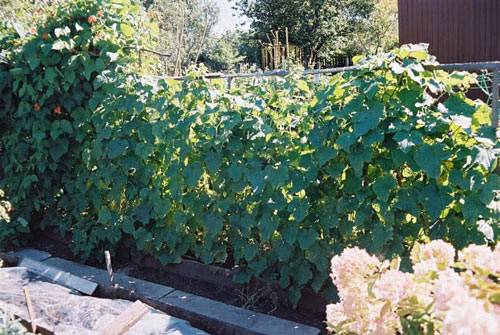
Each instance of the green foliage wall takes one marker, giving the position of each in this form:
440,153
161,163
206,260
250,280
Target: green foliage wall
274,175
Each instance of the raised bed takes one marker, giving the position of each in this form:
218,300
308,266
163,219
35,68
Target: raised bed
210,281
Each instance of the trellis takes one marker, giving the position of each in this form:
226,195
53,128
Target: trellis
490,69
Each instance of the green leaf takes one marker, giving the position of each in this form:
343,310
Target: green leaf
383,186
142,213
284,251
472,208
407,140
235,171
213,162
302,274
358,158
267,226
142,236
193,173
325,154
66,126
214,225
381,235
250,251
345,140
117,148
127,30
406,200
489,189
256,178
290,232
307,238
278,176
299,208
58,149
128,226
430,157
364,121
434,200
31,55
104,215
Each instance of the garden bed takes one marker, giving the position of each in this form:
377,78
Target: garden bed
209,281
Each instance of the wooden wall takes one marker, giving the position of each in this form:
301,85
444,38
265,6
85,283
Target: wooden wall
456,30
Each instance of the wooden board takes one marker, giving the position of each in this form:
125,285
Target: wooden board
59,277
126,320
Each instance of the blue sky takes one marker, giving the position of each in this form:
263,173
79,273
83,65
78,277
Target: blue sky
228,18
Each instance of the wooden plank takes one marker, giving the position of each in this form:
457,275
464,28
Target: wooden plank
34,254
101,277
59,277
126,320
228,319
31,313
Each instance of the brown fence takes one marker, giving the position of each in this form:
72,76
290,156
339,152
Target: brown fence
456,30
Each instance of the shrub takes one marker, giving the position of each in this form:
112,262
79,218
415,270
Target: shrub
274,175
440,297
9,229
51,83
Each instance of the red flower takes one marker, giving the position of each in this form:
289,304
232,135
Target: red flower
33,31
100,13
45,36
36,107
92,19
57,110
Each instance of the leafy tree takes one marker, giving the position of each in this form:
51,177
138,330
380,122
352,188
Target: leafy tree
184,29
377,33
223,52
315,25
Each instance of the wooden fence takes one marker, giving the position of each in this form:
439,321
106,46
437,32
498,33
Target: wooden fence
456,30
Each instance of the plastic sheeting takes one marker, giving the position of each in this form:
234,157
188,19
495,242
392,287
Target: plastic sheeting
64,311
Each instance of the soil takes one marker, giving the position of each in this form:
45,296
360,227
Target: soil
249,297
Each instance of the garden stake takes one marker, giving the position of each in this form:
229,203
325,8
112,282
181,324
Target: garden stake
107,257
31,313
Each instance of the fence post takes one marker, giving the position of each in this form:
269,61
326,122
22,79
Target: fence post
494,103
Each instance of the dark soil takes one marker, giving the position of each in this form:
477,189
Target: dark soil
249,297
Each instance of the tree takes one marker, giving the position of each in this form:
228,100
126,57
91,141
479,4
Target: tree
222,53
377,33
184,28
314,25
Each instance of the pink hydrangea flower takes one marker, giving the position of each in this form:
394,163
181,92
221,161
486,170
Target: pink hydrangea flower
468,316
448,290
481,257
352,267
393,286
374,297
434,256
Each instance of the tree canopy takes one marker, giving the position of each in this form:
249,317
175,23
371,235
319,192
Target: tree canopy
312,24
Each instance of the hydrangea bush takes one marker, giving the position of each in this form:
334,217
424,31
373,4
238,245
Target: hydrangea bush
441,296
